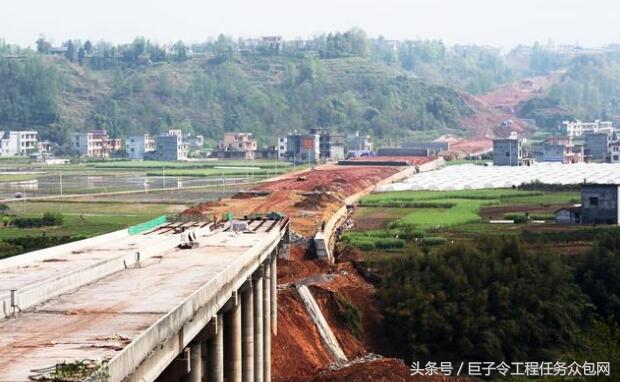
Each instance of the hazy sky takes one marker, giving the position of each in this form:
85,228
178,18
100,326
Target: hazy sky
494,22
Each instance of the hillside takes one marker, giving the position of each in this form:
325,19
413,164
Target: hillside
266,95
587,90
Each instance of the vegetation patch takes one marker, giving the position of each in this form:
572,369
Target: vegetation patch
349,314
434,210
49,219
478,302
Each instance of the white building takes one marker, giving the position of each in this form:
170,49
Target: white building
14,143
359,142
578,128
137,145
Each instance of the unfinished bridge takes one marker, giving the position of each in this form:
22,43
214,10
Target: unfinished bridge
177,302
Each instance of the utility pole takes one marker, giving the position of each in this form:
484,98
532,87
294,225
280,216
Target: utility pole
223,184
60,172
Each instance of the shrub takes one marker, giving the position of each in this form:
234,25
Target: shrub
351,316
433,240
517,218
364,245
33,243
389,243
8,249
48,219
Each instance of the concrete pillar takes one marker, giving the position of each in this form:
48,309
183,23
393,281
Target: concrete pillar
258,329
274,293
205,360
267,322
216,352
247,321
195,360
234,343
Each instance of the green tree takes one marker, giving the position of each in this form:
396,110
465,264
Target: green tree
81,55
70,52
495,301
180,51
88,47
43,46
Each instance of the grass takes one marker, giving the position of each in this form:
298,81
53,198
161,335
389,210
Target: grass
455,162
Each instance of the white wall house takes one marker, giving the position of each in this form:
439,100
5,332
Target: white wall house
14,143
578,128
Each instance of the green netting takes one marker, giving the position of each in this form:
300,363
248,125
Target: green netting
136,229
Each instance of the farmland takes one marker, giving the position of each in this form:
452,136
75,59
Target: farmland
104,177
79,220
431,217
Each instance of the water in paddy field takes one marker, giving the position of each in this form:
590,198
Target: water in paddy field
469,176
50,184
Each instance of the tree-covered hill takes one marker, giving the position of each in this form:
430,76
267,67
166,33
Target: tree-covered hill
589,90
342,81
263,95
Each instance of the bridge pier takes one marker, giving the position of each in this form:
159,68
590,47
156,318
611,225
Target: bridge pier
258,326
234,342
195,362
247,321
267,322
216,352
235,346
274,292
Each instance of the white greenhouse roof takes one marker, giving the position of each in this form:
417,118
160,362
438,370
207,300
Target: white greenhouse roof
469,176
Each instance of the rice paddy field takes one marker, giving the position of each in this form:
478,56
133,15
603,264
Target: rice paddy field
19,179
99,197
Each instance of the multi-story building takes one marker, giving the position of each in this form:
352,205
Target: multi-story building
95,144
169,146
507,151
237,146
281,147
303,147
578,128
357,142
14,143
614,152
138,145
597,145
331,146
599,204
238,142
557,149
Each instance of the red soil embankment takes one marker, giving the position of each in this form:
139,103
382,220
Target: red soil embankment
286,194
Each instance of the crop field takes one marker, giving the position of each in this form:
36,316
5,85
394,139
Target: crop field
429,217
83,218
78,220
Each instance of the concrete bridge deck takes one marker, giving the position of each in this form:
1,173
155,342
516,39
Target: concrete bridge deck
136,313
